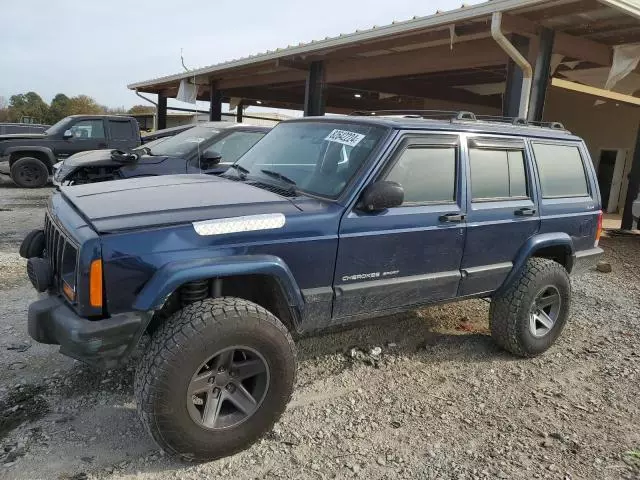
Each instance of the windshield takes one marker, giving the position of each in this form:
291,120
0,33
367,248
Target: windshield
58,127
185,142
320,158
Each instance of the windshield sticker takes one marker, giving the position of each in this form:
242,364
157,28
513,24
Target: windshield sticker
345,137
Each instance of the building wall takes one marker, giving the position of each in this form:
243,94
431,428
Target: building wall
604,126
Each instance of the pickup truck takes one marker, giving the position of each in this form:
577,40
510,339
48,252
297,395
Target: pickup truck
29,158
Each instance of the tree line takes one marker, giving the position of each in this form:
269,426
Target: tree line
30,107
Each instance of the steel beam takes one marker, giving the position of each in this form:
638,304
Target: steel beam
314,93
541,75
239,112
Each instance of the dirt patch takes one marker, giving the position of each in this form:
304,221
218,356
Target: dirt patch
22,404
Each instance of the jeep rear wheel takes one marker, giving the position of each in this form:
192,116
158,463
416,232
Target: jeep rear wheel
527,317
216,376
29,172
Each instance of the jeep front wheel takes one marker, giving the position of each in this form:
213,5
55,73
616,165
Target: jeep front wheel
216,376
29,172
529,315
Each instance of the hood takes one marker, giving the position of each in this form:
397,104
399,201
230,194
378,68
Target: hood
103,157
169,200
23,136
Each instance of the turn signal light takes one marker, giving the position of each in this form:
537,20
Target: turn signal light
598,228
95,284
68,291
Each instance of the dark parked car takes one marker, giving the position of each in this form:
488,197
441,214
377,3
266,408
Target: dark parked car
29,158
13,128
324,222
206,148
165,132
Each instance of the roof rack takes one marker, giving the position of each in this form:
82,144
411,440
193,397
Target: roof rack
456,116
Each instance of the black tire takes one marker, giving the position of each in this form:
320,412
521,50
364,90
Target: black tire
510,311
177,349
33,244
29,172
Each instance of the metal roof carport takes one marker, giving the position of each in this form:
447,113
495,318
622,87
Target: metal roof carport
448,60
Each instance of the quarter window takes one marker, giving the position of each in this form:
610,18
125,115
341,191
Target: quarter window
561,170
497,174
121,130
427,174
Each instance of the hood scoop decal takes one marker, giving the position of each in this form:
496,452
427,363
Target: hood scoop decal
247,223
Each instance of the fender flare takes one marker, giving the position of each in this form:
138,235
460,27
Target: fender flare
22,148
170,276
535,243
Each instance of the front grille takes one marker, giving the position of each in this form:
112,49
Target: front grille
61,254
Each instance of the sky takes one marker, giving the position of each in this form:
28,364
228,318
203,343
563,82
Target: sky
97,47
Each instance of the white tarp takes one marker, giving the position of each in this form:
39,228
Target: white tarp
187,92
625,60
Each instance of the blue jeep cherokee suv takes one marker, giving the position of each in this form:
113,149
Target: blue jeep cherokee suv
326,221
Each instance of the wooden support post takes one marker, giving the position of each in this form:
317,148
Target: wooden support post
314,94
161,112
513,90
215,103
239,112
633,188
541,75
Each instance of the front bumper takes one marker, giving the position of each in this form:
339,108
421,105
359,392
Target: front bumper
583,260
101,343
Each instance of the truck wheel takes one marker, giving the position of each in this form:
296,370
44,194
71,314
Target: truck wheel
29,172
527,317
216,376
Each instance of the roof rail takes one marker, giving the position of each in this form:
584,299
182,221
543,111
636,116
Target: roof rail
453,115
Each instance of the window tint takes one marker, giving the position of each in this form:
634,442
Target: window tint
120,130
85,129
561,170
427,174
234,145
497,174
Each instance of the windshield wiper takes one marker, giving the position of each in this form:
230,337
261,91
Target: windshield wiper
280,176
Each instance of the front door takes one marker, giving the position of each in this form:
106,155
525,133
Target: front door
86,135
502,210
408,255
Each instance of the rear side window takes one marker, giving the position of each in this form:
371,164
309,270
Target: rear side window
497,173
561,170
427,174
120,130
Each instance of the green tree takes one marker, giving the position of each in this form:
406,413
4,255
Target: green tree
84,105
28,104
142,109
4,109
59,108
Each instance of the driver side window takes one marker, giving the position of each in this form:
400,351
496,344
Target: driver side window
427,174
88,129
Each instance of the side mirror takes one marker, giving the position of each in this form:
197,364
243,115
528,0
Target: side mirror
382,195
67,134
211,158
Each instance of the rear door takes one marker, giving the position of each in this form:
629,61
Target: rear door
122,134
502,209
410,254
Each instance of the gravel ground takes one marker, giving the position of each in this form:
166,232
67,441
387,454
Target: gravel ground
440,400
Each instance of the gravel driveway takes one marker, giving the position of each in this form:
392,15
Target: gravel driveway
419,395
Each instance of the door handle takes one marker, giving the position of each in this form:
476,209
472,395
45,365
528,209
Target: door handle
452,217
525,212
